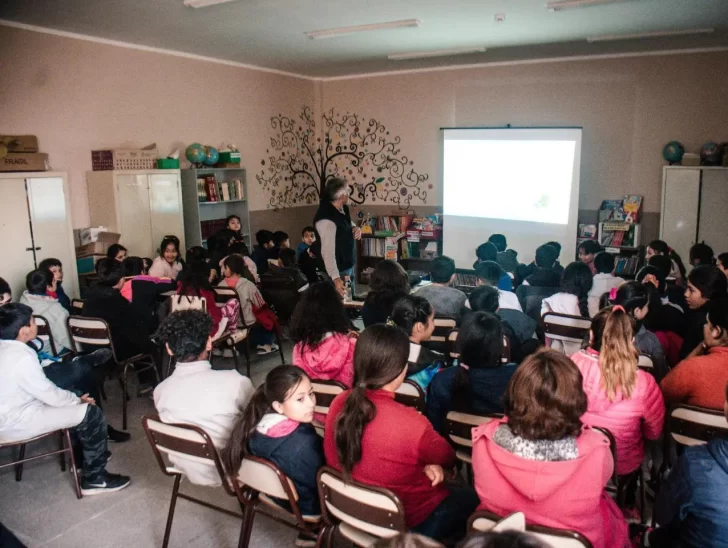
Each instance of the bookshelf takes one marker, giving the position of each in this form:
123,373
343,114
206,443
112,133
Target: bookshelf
209,196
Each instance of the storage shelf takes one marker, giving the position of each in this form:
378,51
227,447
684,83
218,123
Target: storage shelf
222,202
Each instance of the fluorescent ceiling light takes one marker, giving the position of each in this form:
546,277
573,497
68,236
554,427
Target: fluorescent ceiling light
340,31
433,53
655,34
558,5
205,3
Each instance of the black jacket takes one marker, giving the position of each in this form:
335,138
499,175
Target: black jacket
299,455
344,247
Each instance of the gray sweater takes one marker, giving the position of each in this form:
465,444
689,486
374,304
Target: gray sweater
447,301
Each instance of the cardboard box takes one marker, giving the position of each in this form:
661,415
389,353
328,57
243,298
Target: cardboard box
100,245
20,143
104,160
85,236
24,161
87,265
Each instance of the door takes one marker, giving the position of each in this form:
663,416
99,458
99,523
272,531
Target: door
679,219
17,244
165,201
713,208
135,222
51,232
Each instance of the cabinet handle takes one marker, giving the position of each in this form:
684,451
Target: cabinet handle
32,248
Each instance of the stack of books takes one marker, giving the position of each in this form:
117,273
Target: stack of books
211,190
626,266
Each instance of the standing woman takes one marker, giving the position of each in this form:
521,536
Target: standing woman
704,284
379,442
167,265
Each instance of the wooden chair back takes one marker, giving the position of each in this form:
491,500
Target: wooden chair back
689,425
566,328
325,391
89,332
645,363
185,302
484,521
411,395
459,427
45,334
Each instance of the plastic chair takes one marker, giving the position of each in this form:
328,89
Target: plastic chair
193,443
325,391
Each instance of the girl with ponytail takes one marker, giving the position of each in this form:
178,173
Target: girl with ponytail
658,247
622,398
276,425
416,317
377,441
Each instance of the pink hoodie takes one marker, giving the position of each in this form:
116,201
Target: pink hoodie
629,420
563,494
332,359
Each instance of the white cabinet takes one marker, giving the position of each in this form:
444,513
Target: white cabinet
36,225
694,204
143,206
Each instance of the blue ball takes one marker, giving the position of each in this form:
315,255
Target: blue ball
211,156
673,152
195,153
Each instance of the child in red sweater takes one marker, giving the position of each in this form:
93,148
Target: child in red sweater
380,442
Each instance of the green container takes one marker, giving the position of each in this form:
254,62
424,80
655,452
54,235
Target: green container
229,158
167,163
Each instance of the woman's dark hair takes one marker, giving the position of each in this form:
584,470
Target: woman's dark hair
589,247
133,266
38,281
174,240
319,311
333,189
709,280
484,299
194,279
701,254
186,332
410,310
661,248
490,271
480,345
652,272
114,250
577,280
380,357
387,283
279,384
486,252
723,260
545,398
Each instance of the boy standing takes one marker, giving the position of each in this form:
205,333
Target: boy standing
308,237
219,396
31,405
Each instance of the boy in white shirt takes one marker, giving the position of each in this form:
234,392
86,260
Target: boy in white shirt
488,273
195,393
604,280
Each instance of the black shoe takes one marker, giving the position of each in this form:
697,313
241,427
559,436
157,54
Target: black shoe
101,356
104,483
117,436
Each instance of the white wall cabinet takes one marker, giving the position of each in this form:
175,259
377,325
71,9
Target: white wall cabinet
36,225
694,205
143,206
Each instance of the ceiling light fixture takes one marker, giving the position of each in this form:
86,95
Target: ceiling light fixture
558,5
434,53
655,34
340,31
205,3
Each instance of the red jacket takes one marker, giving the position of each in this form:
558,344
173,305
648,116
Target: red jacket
565,494
699,381
396,446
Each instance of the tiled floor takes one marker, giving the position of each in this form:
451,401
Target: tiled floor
42,509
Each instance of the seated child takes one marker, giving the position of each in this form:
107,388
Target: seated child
251,301
56,267
478,383
588,250
263,251
507,258
276,426
117,252
447,300
323,334
573,296
377,441
702,254
603,281
219,396
305,257
287,268
144,291
416,317
31,405
488,252
490,273
540,460
167,264
39,284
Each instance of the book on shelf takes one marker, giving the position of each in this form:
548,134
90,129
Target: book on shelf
626,266
211,190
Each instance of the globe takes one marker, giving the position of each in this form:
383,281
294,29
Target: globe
195,153
710,154
673,152
211,156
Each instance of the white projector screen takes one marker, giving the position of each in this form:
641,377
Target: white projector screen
523,183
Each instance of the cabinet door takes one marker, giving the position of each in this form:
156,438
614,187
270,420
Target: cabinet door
51,229
713,208
17,243
134,214
165,201
680,198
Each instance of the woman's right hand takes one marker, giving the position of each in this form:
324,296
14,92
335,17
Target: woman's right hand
435,474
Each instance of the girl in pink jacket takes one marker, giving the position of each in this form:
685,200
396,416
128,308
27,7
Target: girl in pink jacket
622,398
322,331
541,461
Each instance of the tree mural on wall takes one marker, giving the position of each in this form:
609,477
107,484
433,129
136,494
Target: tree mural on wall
300,161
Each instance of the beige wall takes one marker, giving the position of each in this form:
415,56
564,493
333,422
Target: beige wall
77,96
629,108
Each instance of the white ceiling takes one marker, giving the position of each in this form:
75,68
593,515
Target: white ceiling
269,33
